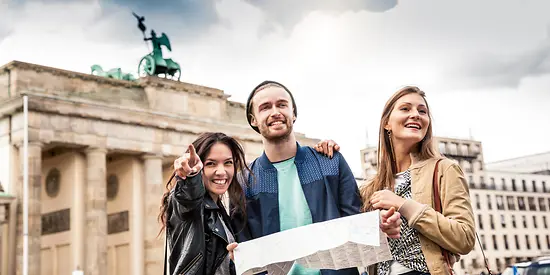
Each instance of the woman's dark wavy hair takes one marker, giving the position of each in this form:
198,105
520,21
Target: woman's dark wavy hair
203,144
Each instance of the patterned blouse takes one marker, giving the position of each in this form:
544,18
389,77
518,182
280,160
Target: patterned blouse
405,250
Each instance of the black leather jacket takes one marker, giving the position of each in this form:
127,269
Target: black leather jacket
196,236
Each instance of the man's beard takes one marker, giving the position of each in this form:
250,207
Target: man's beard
279,138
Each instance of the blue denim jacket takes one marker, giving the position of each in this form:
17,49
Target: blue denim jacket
329,187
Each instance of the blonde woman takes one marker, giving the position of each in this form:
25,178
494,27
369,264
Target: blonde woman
406,164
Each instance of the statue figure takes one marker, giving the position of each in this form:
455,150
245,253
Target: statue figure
158,41
140,19
154,63
115,73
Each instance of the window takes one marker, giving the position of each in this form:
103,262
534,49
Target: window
514,185
537,241
548,241
502,221
462,265
492,184
492,221
453,148
504,184
498,264
482,180
527,243
495,245
500,202
480,221
517,241
534,186
471,182
474,263
532,204
467,166
514,221
521,203
489,204
524,220
478,205
464,149
505,242
523,186
542,205
544,224
534,221
511,203
483,242
442,148
544,186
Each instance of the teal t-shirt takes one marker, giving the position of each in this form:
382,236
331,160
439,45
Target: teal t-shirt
293,208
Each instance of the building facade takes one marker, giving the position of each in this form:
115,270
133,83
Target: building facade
100,152
511,207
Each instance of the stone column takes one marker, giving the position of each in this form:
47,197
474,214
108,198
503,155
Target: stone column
96,212
35,214
12,231
78,213
154,187
137,244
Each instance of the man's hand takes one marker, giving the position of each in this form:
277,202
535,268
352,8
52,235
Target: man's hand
391,223
230,248
327,147
189,164
386,199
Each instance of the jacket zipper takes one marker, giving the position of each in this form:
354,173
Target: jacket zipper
193,262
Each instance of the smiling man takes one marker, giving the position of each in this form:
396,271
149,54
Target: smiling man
293,185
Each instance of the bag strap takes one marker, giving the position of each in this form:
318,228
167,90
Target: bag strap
484,258
438,208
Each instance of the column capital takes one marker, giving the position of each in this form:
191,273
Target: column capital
95,150
152,156
19,144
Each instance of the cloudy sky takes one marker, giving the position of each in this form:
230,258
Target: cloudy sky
484,65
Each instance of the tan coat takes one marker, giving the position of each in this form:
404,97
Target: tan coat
453,230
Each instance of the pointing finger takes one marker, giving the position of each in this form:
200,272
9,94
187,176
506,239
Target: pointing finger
192,152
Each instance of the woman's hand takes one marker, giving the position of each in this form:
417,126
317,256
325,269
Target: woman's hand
327,147
189,164
391,223
230,247
386,199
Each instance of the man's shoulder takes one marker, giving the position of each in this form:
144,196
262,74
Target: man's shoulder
336,156
326,166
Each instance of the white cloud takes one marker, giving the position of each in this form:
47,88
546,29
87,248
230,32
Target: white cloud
341,66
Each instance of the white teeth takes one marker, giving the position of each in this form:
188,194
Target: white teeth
276,123
412,126
219,181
